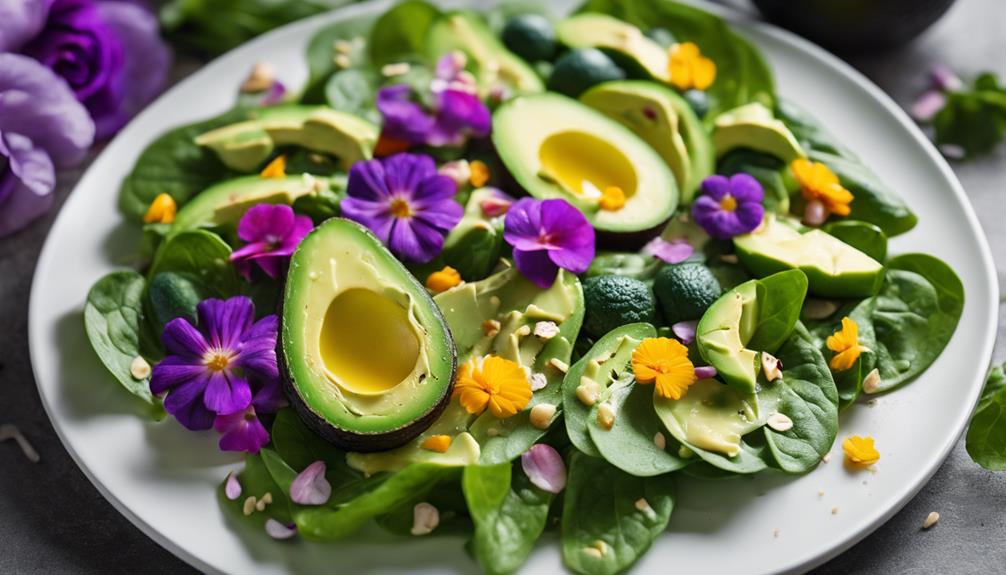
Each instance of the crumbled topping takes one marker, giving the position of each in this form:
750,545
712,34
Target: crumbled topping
659,441
249,506
559,364
139,369
546,329
871,383
588,391
780,422
396,69
931,520
542,414
490,327
425,518
606,415
771,366
261,78
538,381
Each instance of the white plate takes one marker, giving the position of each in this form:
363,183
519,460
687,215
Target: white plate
163,478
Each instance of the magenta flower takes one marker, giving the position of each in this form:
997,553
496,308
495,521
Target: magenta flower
405,202
214,370
547,235
729,207
272,233
241,431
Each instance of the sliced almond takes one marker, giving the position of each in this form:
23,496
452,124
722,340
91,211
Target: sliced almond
541,415
780,422
871,383
659,440
538,381
560,365
771,366
931,520
606,415
139,368
425,518
546,329
588,391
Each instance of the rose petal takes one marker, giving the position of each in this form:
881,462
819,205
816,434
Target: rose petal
232,487
705,372
544,467
310,486
685,331
279,531
26,184
20,21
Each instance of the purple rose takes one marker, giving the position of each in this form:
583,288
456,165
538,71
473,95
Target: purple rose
20,21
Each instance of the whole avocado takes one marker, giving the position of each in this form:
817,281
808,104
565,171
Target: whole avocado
577,70
530,36
612,301
685,291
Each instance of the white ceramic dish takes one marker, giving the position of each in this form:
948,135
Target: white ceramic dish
163,478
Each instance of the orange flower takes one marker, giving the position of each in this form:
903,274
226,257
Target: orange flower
161,211
860,451
438,443
819,184
275,169
443,280
479,173
845,344
664,361
495,382
688,68
612,199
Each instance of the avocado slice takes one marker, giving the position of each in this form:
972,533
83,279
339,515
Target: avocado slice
665,121
368,359
490,61
833,267
226,202
753,126
246,145
619,38
556,147
724,331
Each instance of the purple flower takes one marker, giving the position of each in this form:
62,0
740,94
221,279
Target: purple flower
547,235
729,207
544,467
20,21
42,127
241,431
405,202
272,233
211,370
673,252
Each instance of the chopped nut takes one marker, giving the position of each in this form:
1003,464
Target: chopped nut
659,440
834,510
249,505
139,369
546,329
538,381
729,258
931,520
342,47
523,331
814,308
260,79
559,364
605,415
643,505
780,422
396,69
820,493
490,327
342,61
425,518
592,552
492,432
871,383
826,457
771,366
542,414
601,546
267,497
588,391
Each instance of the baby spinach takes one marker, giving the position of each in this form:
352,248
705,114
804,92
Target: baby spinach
780,298
322,53
256,481
451,510
609,517
353,91
400,33
300,447
974,116
200,256
864,236
173,295
115,325
986,438
509,513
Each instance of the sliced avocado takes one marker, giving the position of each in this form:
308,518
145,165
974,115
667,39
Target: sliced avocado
665,121
556,147
227,201
368,359
753,126
723,333
592,30
490,61
246,145
833,268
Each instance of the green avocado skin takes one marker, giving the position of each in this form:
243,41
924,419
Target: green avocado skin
685,291
530,36
613,301
578,70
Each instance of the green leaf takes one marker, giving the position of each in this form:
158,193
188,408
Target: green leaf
115,323
400,33
604,504
173,295
509,513
256,481
780,299
322,53
451,509
973,118
200,256
986,438
628,264
354,91
864,236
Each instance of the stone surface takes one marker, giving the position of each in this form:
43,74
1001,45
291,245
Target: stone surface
54,521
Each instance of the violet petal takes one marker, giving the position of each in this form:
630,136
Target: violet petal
310,486
672,252
928,105
232,487
544,467
20,21
685,331
280,531
705,372
26,183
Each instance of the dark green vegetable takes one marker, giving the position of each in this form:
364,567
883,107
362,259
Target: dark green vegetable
578,70
321,53
780,299
354,91
974,117
633,265
986,438
256,481
771,172
201,257
530,36
173,295
685,291
400,33
612,301
699,101
863,236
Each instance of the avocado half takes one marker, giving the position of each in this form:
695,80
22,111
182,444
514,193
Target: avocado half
367,358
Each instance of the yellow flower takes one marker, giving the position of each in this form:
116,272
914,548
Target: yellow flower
275,169
845,344
495,382
819,183
688,68
860,450
612,199
480,173
438,443
161,211
443,280
664,361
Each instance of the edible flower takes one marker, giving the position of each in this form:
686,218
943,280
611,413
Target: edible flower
822,191
547,235
271,234
479,173
845,344
664,361
729,206
496,203
859,451
275,169
544,467
161,211
215,369
310,487
688,68
405,202
280,531
438,443
443,280
241,431
612,199
672,251
495,382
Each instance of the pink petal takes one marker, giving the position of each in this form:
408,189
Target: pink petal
685,331
705,372
672,252
310,486
232,487
277,530
944,79
544,467
953,151
928,105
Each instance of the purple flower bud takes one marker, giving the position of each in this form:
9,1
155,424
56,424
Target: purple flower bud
928,105
705,372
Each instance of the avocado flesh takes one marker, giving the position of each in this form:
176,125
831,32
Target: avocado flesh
246,145
368,359
493,64
723,333
592,30
753,126
665,121
226,202
556,147
833,268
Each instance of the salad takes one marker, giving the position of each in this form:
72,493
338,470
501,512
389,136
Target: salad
501,273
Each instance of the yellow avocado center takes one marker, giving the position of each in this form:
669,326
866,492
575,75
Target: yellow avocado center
572,158
368,344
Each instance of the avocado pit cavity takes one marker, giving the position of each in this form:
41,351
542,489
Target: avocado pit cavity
583,164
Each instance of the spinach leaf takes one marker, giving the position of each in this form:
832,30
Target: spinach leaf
115,325
300,447
256,481
400,33
780,298
175,165
615,514
322,52
808,131
849,382
173,295
354,91
808,396
200,256
986,438
509,513
973,118
282,476
863,236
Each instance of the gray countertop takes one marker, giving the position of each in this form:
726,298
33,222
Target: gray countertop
52,520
